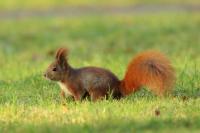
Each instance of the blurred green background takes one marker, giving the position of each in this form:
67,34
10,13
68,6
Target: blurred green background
47,4
104,34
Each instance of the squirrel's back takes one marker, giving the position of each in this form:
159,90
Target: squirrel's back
150,69
99,80
95,76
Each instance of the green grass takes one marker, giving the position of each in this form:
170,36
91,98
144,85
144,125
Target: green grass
47,4
29,103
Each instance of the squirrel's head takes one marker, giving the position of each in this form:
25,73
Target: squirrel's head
58,69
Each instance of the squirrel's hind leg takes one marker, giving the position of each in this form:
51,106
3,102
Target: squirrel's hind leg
97,95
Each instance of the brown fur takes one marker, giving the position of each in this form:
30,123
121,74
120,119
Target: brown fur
150,69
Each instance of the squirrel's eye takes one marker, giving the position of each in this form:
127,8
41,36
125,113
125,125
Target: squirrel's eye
54,69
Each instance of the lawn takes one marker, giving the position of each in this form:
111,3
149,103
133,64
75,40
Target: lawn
29,103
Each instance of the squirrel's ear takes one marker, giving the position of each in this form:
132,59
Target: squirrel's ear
61,54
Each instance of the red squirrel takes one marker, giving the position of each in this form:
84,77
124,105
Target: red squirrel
150,69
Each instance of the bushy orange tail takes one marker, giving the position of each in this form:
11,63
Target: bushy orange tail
149,69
